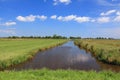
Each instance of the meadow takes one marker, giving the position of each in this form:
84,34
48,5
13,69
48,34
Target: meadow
45,74
104,50
15,51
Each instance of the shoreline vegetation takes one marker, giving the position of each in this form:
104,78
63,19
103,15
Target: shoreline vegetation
46,74
15,51
107,51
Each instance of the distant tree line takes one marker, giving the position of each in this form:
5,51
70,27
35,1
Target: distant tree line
103,38
54,37
71,37
38,37
99,38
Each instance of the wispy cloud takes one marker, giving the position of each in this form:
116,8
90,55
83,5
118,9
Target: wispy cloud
66,2
108,2
118,13
104,3
117,19
8,31
108,13
114,18
10,23
110,32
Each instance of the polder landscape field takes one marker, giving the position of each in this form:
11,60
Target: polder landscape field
59,39
104,50
15,51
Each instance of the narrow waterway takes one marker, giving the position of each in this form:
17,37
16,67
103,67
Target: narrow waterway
66,56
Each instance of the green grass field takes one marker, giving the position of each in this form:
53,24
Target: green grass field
15,51
105,50
45,74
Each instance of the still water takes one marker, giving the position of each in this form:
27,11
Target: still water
66,56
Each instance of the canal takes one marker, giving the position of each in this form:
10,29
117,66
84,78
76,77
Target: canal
66,56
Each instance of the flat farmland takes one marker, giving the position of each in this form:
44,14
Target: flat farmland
104,50
15,51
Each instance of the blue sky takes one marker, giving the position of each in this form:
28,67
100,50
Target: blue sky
85,18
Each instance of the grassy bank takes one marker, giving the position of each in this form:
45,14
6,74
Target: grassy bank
15,51
105,50
45,74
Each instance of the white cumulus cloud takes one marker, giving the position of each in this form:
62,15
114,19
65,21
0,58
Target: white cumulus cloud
108,13
66,2
103,19
82,19
67,18
53,17
75,18
117,19
60,18
42,17
31,18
